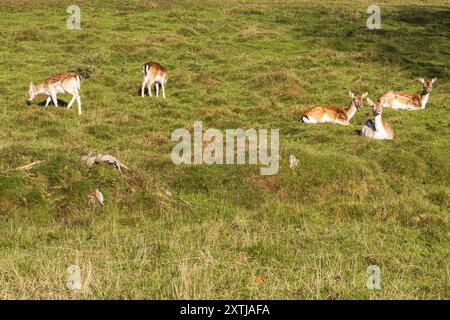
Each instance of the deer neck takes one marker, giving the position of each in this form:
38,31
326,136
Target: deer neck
424,99
40,89
350,111
379,123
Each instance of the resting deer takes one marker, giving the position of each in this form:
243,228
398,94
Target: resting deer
322,114
154,73
377,129
61,83
408,101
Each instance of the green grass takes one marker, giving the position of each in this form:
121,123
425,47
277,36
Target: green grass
307,233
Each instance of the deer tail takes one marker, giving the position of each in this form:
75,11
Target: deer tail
78,81
145,69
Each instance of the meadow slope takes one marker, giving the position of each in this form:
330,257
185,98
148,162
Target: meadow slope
206,232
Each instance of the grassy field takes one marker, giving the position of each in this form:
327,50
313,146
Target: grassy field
196,231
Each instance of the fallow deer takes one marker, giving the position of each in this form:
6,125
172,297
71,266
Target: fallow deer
154,73
61,83
377,129
322,114
408,101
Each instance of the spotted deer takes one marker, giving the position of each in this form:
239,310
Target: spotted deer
154,73
61,83
377,128
322,114
408,101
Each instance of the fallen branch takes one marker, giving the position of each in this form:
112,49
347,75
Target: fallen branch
90,160
170,195
27,167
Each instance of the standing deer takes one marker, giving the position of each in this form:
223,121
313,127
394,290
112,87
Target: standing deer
322,114
154,73
377,129
408,101
61,83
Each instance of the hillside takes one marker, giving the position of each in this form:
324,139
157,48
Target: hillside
224,231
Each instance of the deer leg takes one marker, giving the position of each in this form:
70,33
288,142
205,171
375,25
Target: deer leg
71,101
48,101
149,86
157,89
162,86
54,98
143,87
79,103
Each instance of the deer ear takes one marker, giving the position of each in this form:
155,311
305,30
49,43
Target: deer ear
433,80
421,80
364,95
370,102
351,94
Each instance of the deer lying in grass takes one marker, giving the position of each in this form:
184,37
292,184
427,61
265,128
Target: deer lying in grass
154,73
408,101
322,114
61,83
377,129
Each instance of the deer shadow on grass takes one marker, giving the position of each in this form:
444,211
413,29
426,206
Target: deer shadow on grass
139,91
61,104
146,93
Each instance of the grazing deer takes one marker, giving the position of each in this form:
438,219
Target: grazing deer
61,83
321,114
408,101
154,73
377,129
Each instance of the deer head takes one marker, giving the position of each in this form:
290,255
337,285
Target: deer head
427,85
357,101
376,107
31,92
